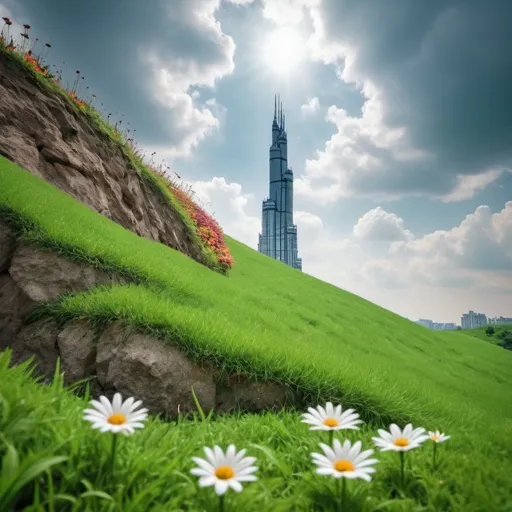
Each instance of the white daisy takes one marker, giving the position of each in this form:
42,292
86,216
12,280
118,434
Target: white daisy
398,440
224,470
437,437
116,416
331,418
345,461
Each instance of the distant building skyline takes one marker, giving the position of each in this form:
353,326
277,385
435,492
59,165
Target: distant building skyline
278,237
437,326
473,320
470,320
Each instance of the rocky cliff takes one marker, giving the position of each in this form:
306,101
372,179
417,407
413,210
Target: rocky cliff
43,132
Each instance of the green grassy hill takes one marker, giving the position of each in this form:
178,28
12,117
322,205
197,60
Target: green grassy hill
272,322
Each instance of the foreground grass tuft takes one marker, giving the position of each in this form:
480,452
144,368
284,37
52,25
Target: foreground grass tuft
65,465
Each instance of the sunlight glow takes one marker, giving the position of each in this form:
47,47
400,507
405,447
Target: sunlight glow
283,50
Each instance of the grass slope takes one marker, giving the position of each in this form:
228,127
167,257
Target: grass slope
272,322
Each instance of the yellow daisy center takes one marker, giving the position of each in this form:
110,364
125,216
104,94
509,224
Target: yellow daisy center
331,422
224,473
117,419
343,465
434,438
401,441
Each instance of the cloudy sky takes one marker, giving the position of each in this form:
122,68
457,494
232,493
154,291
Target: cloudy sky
398,115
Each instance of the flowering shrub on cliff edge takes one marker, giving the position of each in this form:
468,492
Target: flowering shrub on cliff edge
207,227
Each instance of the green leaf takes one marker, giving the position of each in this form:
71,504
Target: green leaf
10,466
97,494
15,482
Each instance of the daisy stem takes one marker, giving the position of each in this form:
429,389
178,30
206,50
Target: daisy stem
331,436
221,503
113,453
402,458
343,492
435,452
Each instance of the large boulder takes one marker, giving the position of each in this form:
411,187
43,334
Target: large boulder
155,372
38,340
77,351
14,306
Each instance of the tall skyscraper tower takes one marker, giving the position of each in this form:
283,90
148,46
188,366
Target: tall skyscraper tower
278,238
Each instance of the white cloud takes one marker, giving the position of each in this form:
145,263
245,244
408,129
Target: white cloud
420,131
482,242
309,227
173,75
379,225
310,107
467,186
228,204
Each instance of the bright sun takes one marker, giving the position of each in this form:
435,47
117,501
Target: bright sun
283,50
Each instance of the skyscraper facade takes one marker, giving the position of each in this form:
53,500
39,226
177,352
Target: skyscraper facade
278,237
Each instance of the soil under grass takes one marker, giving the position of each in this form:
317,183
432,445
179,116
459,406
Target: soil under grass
272,322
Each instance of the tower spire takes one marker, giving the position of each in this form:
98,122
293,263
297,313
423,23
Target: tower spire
275,107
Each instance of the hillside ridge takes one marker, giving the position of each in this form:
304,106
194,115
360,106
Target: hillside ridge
71,147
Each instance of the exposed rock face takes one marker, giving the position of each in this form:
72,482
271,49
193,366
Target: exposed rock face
138,365
14,306
38,340
43,275
45,135
30,275
77,351
155,372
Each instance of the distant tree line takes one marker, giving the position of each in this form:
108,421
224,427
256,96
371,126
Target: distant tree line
504,336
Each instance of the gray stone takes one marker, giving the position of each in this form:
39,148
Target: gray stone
7,246
153,371
77,351
38,340
14,306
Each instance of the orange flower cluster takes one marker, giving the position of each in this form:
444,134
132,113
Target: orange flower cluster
43,70
77,100
35,64
207,227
